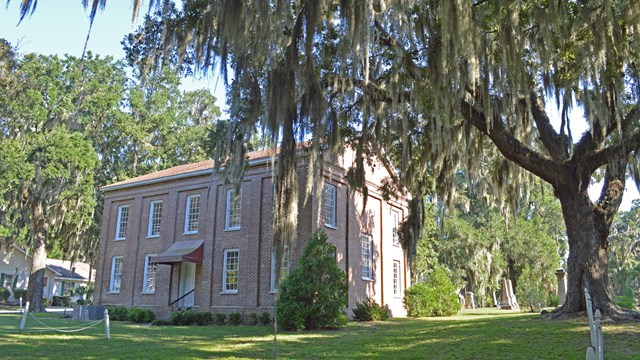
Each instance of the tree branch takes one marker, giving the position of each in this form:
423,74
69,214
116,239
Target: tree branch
547,169
556,144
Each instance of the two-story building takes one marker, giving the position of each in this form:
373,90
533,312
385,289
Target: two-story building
182,238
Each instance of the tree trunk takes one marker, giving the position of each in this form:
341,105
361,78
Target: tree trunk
587,264
38,264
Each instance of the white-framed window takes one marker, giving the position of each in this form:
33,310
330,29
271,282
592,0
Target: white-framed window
233,210
367,257
155,218
395,225
149,281
284,267
123,220
192,214
116,274
329,205
396,277
230,271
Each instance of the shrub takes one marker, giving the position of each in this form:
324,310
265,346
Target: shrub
160,322
117,313
253,319
203,318
45,302
625,302
553,300
265,318
235,318
140,316
369,311
4,294
220,319
436,297
184,317
315,293
20,293
531,292
56,301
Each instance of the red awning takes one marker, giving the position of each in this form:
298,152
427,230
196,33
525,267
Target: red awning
182,251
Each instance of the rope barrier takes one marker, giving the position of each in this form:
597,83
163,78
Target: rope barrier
68,329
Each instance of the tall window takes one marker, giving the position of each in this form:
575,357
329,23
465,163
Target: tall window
395,224
284,267
193,212
230,271
329,205
396,277
116,274
149,282
367,257
232,218
155,217
121,225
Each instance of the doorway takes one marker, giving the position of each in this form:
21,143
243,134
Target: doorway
187,284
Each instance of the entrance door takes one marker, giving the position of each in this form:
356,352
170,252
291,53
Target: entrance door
187,283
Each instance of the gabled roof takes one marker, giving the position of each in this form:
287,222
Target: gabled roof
63,269
183,171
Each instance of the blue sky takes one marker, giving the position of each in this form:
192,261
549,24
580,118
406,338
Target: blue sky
60,27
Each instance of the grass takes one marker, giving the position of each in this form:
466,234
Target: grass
482,334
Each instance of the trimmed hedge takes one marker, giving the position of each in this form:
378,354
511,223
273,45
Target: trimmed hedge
436,297
140,316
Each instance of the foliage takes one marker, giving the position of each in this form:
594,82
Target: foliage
62,301
253,319
265,318
4,294
46,301
117,313
138,315
160,322
369,311
220,319
315,292
531,292
624,254
625,302
235,318
20,293
435,297
191,317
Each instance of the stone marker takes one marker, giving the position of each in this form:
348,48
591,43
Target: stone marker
469,303
509,301
562,286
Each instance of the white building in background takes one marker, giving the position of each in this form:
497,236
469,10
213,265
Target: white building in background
59,278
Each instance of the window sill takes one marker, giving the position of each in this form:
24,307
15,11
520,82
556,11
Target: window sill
113,292
148,293
367,279
119,239
229,292
232,229
189,233
153,236
334,227
273,291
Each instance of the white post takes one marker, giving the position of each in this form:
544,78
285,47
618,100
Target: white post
107,329
599,340
23,321
20,304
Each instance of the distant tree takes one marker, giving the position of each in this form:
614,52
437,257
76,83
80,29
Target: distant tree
624,253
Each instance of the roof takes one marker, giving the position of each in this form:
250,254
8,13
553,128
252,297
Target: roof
64,268
187,170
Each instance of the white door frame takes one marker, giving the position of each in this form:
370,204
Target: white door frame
187,283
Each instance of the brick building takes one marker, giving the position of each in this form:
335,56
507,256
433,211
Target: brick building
180,238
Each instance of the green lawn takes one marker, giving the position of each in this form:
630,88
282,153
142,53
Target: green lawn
482,334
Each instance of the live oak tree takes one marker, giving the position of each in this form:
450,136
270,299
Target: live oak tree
440,79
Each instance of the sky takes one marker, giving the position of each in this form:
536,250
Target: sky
59,27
